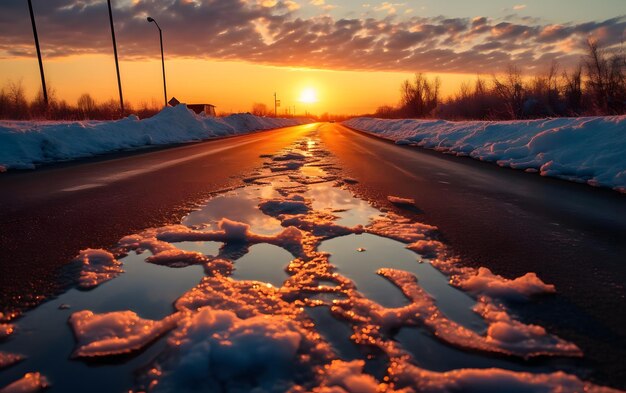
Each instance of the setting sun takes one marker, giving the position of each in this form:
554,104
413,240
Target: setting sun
308,96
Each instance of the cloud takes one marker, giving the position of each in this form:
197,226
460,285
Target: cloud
273,32
519,7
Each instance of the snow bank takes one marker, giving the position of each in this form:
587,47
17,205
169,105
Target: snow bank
24,143
589,150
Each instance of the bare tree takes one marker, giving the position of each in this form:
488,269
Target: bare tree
510,90
86,106
419,97
573,91
260,109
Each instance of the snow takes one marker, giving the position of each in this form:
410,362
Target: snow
586,149
504,334
23,144
216,349
349,377
490,380
401,201
7,359
493,285
29,383
98,266
115,333
6,329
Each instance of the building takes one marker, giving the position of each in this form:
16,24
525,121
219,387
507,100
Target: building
208,109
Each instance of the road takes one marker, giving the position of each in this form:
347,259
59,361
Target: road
572,235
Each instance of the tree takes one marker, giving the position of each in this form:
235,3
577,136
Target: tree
419,97
260,109
510,90
606,79
86,106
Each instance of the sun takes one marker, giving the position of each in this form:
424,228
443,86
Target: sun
308,96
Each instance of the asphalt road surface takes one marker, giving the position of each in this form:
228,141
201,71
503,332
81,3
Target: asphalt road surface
572,235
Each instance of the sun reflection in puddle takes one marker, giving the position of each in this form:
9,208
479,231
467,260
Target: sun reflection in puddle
238,205
350,210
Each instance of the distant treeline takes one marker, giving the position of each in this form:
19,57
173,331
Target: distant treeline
15,106
596,87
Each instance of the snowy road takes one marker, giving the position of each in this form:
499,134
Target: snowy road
571,235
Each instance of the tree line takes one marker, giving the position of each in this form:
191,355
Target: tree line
595,87
15,106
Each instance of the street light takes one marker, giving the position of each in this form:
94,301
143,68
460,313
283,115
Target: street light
150,19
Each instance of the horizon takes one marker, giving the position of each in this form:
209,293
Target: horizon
261,48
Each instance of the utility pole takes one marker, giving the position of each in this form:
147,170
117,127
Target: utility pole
43,78
117,66
275,106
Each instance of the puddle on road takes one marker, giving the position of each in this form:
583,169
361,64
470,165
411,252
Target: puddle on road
45,338
380,252
263,262
350,210
238,205
330,297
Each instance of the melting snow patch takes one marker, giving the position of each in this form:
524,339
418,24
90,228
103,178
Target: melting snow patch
98,266
401,201
115,333
8,359
29,383
216,350
484,282
488,380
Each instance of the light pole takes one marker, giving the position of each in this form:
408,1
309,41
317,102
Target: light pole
43,78
150,19
117,66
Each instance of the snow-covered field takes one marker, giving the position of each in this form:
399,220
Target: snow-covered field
26,143
589,150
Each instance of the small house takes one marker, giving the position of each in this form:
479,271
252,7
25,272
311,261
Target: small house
208,109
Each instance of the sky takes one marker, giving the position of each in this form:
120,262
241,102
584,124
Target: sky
352,55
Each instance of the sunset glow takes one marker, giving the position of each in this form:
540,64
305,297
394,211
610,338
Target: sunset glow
214,53
308,96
